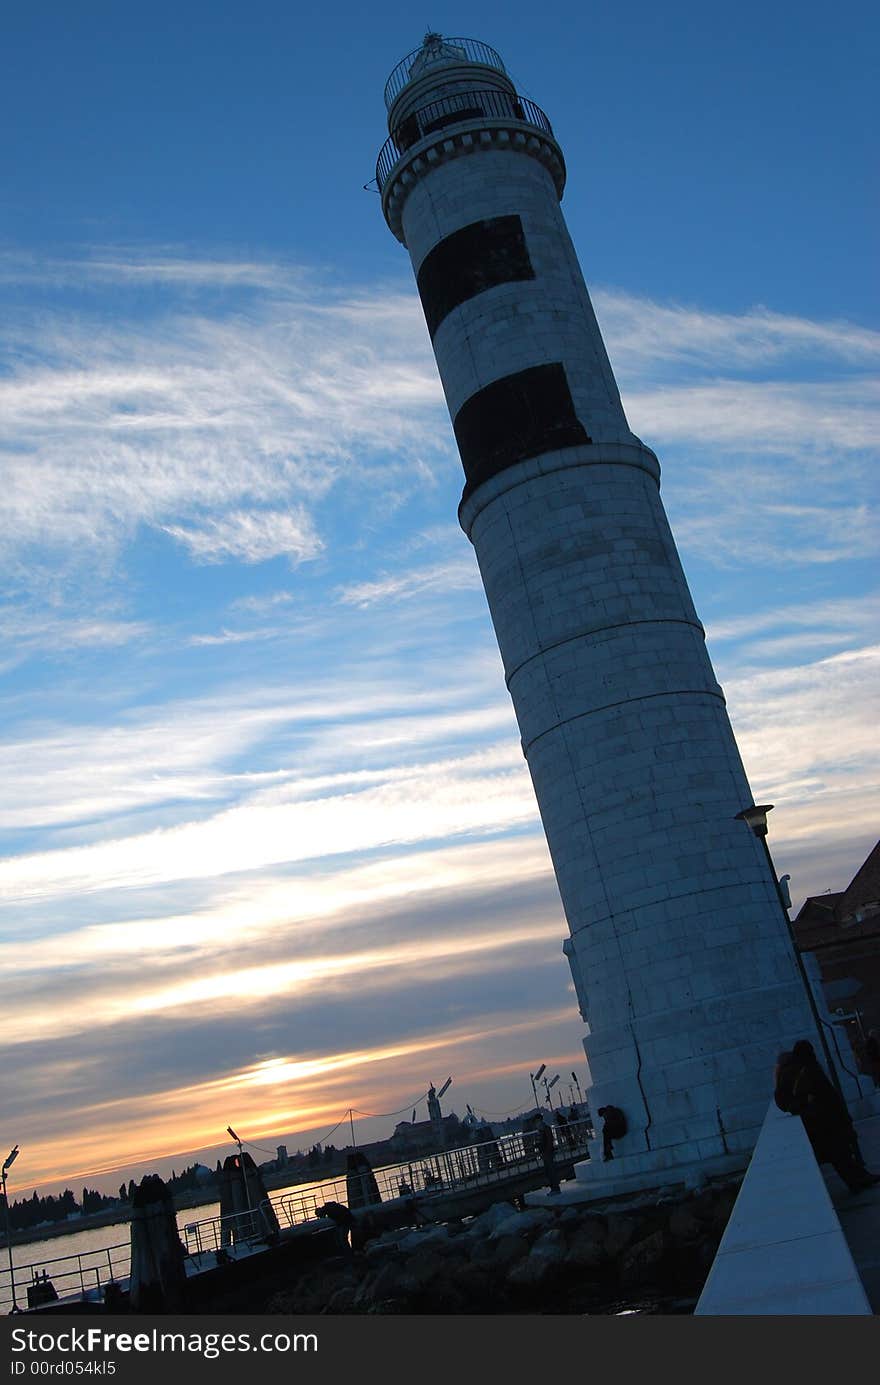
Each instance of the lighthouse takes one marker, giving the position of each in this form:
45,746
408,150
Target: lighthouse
679,948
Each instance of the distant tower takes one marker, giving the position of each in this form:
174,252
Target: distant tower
679,949
435,1114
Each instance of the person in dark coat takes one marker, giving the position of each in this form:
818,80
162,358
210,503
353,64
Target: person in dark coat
803,1089
548,1153
565,1131
613,1128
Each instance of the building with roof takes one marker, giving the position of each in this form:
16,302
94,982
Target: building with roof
841,930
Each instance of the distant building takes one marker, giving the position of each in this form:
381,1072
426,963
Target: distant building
422,1137
281,1160
841,930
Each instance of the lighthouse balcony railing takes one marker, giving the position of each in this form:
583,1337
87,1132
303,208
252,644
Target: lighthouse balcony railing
472,50
458,108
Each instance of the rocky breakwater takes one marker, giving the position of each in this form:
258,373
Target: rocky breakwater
648,1254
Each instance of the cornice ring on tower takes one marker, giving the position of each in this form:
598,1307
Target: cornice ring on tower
396,171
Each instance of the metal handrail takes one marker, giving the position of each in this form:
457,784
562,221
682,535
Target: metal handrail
79,1272
458,108
474,51
466,1167
219,1233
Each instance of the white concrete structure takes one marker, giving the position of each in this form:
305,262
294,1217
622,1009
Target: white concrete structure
783,1250
679,948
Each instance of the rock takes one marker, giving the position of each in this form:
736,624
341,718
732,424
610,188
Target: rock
487,1221
537,1268
523,1223
342,1301
550,1242
594,1223
447,1297
724,1201
619,1233
586,1247
505,1251
684,1226
640,1262
424,1269
478,1287
379,1286
417,1241
378,1249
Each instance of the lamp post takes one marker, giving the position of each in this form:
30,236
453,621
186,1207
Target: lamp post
247,1191
548,1083
756,818
7,1164
533,1077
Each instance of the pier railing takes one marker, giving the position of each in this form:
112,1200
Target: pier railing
468,1167
219,1234
454,1170
81,1278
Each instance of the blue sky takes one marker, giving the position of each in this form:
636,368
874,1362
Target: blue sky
270,846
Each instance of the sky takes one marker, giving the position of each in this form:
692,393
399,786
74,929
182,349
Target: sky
270,848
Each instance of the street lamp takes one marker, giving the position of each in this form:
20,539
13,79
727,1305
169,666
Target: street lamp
756,818
247,1191
533,1077
7,1164
547,1086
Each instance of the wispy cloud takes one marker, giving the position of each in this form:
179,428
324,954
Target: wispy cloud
803,418
442,578
642,333
223,428
260,604
485,792
857,617
251,537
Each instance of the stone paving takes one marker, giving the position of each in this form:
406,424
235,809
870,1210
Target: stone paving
859,1213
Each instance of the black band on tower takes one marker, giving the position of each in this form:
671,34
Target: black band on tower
470,261
512,419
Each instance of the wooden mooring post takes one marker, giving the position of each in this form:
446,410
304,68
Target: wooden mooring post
158,1277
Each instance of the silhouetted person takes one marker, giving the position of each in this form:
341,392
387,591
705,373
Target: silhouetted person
803,1089
565,1133
783,1079
350,1234
548,1151
613,1128
360,1181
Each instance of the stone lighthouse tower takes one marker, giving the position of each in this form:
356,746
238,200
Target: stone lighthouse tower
679,949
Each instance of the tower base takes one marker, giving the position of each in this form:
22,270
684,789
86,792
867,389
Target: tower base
602,1182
